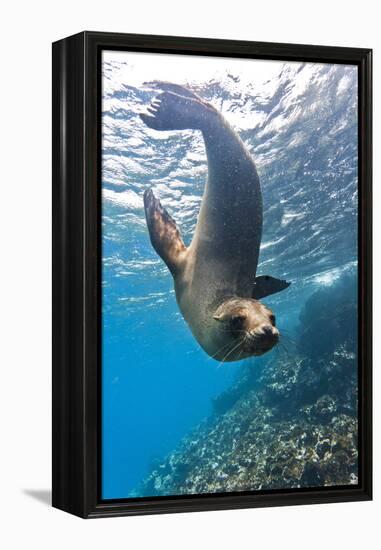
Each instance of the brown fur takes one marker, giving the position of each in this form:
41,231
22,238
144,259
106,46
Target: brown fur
214,277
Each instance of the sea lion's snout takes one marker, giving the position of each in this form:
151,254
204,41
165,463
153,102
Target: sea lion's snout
262,339
268,332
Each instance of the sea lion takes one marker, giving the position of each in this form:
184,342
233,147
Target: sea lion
215,277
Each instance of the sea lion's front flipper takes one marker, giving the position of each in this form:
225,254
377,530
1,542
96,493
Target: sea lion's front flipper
266,285
164,234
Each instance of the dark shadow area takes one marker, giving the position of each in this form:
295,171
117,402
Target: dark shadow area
42,495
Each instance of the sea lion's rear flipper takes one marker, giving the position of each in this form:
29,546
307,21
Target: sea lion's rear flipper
164,234
176,111
170,87
266,285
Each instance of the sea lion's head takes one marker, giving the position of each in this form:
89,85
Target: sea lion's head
246,326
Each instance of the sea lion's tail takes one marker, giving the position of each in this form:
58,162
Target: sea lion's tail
177,108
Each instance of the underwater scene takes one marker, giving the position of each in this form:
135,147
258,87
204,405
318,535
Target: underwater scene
177,418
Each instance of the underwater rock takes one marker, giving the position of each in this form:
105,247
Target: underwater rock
294,424
330,313
228,398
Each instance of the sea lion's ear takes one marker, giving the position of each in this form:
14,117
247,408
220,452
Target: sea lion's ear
164,234
266,285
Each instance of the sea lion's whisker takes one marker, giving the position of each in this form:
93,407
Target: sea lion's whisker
282,346
286,331
227,344
289,357
240,354
233,349
287,339
286,335
230,351
282,352
222,360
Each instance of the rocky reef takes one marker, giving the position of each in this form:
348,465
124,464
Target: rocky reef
292,425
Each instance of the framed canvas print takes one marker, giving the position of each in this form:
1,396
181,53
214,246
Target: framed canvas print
211,274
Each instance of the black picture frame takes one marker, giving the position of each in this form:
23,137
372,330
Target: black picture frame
76,272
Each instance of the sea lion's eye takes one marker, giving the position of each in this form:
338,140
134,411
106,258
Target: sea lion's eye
236,321
272,320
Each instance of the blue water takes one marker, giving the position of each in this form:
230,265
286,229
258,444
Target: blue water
300,123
